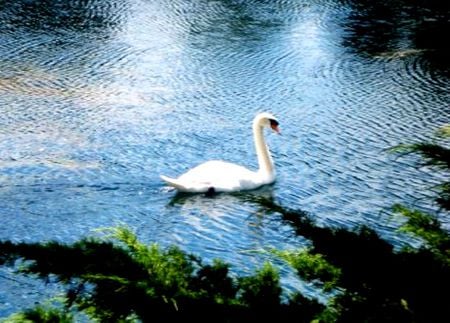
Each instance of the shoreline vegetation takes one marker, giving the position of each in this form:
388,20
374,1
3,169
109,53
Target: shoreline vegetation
116,278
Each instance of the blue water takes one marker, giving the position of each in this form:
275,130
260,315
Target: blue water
98,98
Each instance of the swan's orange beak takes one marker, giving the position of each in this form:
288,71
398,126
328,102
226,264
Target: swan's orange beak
275,128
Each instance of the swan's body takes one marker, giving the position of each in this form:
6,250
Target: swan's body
220,176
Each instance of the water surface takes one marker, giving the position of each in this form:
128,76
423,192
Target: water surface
97,98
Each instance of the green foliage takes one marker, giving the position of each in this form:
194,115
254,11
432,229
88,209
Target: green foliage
215,285
423,225
312,267
444,131
433,154
124,280
119,278
168,270
41,314
444,195
428,228
376,284
436,155
261,291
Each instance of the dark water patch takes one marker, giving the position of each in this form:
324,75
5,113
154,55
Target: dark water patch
401,26
57,16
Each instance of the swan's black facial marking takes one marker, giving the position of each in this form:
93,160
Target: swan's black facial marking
274,125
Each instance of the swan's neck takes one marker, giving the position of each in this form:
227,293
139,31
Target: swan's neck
262,151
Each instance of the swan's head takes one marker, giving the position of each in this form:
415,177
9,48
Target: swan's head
268,120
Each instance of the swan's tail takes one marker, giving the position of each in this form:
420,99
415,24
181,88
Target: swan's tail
173,182
183,187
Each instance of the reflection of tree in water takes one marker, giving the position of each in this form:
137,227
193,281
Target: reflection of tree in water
48,15
432,31
380,27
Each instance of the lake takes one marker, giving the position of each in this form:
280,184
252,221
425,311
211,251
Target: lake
98,98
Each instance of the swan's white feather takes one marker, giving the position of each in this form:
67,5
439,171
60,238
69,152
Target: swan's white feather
219,175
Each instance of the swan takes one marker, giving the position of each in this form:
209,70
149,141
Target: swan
220,176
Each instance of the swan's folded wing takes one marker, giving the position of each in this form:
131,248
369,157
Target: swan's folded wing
218,175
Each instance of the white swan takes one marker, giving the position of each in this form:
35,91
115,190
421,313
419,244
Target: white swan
219,176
